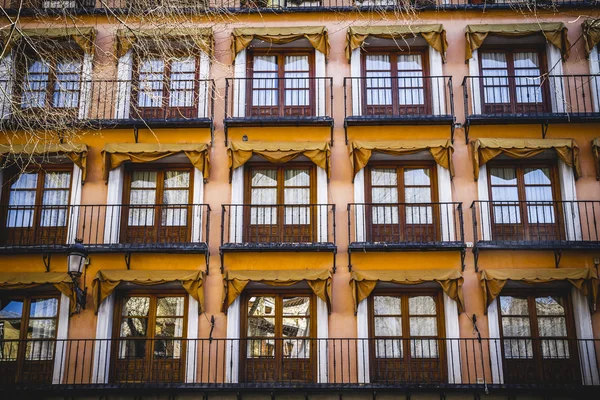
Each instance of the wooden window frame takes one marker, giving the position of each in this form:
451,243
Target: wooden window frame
514,107
247,366
281,226
149,358
153,234
528,232
281,109
36,234
405,373
535,364
396,108
401,232
19,368
164,111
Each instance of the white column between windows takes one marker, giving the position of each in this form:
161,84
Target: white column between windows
236,215
113,205
62,334
438,85
495,344
359,208
453,334
102,348
474,84
483,210
323,213
232,351
595,81
197,210
585,333
239,86
362,335
85,94
355,84
74,205
204,89
6,86
124,75
192,358
321,73
569,197
447,211
555,71
322,335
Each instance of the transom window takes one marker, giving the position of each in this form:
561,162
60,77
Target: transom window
167,87
52,83
397,188
280,201
406,328
394,83
512,82
281,84
38,206
522,202
537,332
159,205
279,328
150,332
28,328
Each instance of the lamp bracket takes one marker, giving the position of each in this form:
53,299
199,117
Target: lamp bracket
128,260
47,258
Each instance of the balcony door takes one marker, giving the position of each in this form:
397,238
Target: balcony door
408,336
512,83
394,84
278,330
166,88
399,205
159,206
282,85
149,344
279,202
538,339
523,207
28,327
38,211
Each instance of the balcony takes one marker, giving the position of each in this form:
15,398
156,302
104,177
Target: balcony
416,364
106,228
425,100
278,102
405,227
531,100
261,6
110,103
536,225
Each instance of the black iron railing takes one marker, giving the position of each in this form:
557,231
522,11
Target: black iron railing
397,99
204,6
110,102
532,98
264,226
297,362
537,224
106,227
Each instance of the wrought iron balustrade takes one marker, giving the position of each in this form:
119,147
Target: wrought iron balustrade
122,227
300,362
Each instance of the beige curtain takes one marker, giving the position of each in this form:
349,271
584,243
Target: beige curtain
591,34
484,150
75,152
318,280
26,280
363,282
83,37
192,40
106,281
596,154
279,153
316,35
115,154
441,151
434,35
494,280
553,32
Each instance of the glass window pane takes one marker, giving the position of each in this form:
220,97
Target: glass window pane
134,327
167,349
264,177
299,306
494,60
25,180
555,349
503,176
43,308
379,62
417,176
11,309
537,176
423,326
177,179
182,85
41,329
296,177
265,63
410,62
424,348
169,327
136,307
57,180
387,305
143,179
385,195
132,349
518,348
550,305
552,326
422,305
262,348
516,326
151,83
296,63
417,195
388,348
296,327
388,326
526,60
384,177
261,327
176,197
261,306
510,305
170,306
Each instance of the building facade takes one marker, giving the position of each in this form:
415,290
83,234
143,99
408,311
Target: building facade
312,198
